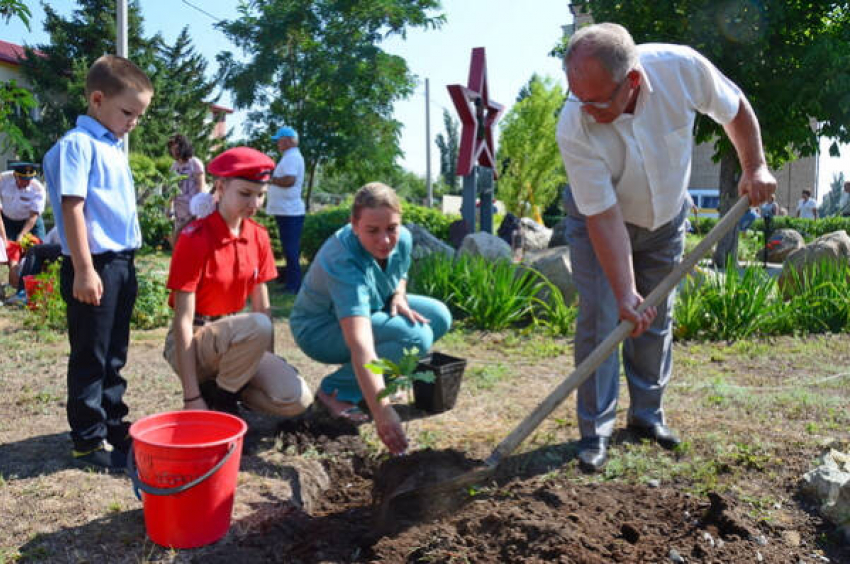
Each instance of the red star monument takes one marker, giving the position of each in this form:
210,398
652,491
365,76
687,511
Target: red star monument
477,115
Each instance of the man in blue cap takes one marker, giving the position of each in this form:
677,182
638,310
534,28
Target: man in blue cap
285,203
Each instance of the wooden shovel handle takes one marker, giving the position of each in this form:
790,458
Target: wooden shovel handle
583,371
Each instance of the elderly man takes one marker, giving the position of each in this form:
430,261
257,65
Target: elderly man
625,135
286,205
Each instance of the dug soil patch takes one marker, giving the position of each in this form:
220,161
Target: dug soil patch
548,518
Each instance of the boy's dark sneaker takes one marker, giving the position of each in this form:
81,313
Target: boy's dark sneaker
101,458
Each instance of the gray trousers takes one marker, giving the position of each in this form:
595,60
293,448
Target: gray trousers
647,359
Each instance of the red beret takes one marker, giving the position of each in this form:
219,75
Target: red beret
242,162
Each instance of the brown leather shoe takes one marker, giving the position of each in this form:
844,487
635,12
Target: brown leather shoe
661,434
592,453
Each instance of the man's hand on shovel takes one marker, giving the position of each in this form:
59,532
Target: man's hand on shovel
758,184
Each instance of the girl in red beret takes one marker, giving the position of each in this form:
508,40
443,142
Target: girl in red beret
222,355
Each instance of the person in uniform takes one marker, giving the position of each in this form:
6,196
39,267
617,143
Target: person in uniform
223,356
353,307
22,200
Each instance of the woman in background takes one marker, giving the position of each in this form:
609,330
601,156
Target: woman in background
191,168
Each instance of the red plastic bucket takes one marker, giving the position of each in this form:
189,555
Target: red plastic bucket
36,289
186,465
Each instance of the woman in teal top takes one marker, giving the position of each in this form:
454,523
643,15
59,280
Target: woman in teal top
353,308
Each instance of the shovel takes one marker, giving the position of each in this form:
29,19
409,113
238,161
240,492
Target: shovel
581,373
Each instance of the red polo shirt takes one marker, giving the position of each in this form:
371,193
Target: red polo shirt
220,268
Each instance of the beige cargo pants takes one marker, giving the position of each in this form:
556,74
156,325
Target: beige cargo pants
235,351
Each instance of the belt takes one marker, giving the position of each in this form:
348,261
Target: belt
201,320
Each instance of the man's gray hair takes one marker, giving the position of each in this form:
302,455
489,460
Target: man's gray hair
609,43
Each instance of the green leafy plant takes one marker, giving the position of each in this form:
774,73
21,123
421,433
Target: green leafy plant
151,309
492,295
400,376
156,185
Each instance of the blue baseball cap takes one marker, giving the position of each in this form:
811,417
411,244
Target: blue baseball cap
284,131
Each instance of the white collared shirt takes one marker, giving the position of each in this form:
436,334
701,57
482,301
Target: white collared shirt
287,201
642,161
19,203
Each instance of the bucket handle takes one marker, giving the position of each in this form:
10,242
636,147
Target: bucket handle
133,472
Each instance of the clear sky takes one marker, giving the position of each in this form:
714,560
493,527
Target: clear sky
517,35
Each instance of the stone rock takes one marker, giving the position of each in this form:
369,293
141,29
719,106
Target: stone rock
485,245
832,247
535,236
555,265
559,234
829,485
425,244
782,243
510,223
457,231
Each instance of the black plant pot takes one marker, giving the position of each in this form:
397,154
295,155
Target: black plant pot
442,394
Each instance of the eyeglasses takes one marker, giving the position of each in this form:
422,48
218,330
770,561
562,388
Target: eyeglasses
599,105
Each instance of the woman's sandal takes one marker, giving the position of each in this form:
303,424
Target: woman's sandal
352,413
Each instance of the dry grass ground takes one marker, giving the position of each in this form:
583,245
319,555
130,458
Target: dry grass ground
755,415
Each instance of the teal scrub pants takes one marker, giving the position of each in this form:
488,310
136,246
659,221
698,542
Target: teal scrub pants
392,335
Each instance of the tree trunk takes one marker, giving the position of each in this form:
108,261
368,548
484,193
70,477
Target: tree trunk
310,178
727,247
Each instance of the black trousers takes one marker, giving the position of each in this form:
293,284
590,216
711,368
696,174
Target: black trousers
99,337
15,226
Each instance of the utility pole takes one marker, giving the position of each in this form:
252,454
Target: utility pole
430,188
121,46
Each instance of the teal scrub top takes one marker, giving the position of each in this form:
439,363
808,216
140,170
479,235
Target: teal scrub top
344,280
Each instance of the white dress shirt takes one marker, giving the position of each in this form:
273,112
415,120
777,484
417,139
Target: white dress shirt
642,161
20,203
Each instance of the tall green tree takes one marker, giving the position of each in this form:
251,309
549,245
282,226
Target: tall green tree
318,66
449,145
13,98
181,103
789,57
532,173
57,75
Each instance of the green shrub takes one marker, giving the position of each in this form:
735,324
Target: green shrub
320,225
156,185
151,309
435,221
269,222
749,304
818,299
154,220
808,228
730,307
491,295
